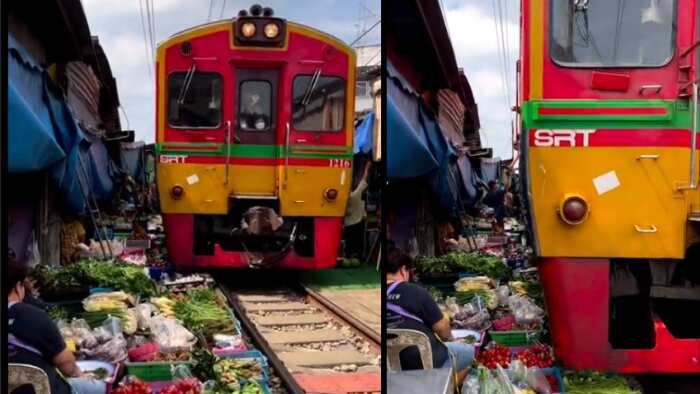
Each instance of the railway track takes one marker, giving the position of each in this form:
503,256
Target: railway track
313,345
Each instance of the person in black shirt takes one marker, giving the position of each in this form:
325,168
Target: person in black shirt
495,198
34,339
410,306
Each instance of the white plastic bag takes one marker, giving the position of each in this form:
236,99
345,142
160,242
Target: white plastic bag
143,315
524,310
171,335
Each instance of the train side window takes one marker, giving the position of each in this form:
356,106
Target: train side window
318,106
195,104
612,33
255,105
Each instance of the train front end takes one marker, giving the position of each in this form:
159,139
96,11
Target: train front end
254,137
609,157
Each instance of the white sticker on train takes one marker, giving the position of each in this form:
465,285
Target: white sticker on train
606,182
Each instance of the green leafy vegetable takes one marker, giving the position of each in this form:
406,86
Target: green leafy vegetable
456,262
591,382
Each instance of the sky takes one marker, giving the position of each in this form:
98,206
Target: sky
472,28
118,25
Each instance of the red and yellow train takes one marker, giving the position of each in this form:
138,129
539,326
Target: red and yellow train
609,154
254,133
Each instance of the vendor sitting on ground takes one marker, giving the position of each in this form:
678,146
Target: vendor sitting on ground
410,306
34,339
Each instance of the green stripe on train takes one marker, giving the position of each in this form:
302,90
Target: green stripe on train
254,151
678,115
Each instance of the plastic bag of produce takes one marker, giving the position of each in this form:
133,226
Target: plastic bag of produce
181,372
171,334
524,310
130,325
470,385
82,334
144,312
111,351
480,321
502,294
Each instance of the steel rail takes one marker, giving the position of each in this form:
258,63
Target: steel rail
285,376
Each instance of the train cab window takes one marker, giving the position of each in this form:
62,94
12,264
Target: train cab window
194,100
612,33
318,103
255,105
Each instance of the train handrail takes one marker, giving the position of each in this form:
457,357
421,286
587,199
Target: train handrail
286,155
228,148
693,137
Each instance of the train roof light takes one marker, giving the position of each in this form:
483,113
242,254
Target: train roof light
248,29
268,12
272,30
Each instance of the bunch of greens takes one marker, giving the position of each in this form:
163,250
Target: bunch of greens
77,278
58,313
201,313
590,382
56,281
204,360
465,297
455,262
118,276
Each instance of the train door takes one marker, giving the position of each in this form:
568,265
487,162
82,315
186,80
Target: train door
252,144
316,142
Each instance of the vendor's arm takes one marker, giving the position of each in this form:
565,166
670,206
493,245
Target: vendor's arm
65,362
433,317
443,330
36,328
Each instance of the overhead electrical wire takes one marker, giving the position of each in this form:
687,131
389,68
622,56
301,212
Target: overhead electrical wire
145,38
153,29
223,5
500,52
211,5
365,32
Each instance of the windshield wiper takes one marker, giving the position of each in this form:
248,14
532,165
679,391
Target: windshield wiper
311,87
186,84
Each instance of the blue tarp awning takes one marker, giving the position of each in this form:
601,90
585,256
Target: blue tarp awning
410,152
363,135
416,145
31,134
44,135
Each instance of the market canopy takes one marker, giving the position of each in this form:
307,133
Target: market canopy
45,136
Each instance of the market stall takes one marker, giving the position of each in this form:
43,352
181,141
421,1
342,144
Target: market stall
137,334
494,301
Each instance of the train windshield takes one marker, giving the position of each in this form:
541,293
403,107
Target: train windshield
318,106
194,99
255,103
612,33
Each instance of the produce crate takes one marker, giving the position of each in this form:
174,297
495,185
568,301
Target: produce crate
259,357
515,338
153,371
556,372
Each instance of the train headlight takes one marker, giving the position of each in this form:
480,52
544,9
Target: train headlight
574,209
248,29
271,30
330,194
177,192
